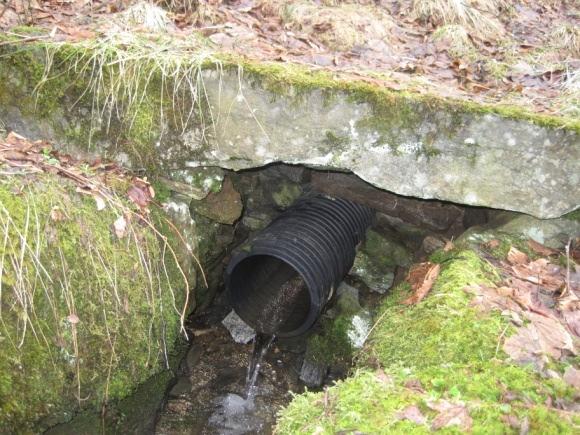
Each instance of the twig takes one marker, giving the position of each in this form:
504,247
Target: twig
500,338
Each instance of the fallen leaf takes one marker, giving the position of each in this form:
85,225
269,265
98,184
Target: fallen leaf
73,319
411,413
511,420
421,277
56,214
415,385
517,257
450,414
543,336
448,246
140,193
120,227
540,249
383,377
572,377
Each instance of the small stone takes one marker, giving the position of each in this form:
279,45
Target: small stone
192,358
347,299
240,331
224,206
312,373
431,244
376,260
181,388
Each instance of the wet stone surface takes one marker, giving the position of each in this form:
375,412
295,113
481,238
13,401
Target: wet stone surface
209,394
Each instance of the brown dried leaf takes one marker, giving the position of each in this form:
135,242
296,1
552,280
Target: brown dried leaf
450,414
415,385
540,249
492,244
421,277
572,377
73,319
140,192
543,336
448,246
411,413
56,214
517,257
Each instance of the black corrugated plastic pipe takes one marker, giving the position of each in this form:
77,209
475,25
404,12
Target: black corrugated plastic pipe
313,243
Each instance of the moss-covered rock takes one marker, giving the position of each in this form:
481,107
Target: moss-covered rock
440,349
165,105
85,315
376,260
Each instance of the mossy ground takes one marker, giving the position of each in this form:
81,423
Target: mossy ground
85,316
453,350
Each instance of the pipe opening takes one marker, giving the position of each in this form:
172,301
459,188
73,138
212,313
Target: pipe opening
269,294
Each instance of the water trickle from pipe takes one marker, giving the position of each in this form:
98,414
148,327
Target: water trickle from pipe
262,343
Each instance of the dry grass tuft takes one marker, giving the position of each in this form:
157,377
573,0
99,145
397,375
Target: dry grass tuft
479,16
339,27
457,37
144,15
567,37
124,69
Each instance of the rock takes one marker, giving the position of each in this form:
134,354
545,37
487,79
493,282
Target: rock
224,206
347,299
238,329
553,233
181,388
177,210
286,193
192,358
431,215
376,260
313,373
411,146
256,221
195,183
431,244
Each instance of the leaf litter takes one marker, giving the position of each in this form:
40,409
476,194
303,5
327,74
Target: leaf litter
529,58
541,299
422,276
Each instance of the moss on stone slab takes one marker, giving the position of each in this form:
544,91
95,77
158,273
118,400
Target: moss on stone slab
451,351
85,315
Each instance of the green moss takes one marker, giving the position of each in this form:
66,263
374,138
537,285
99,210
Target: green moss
335,140
573,215
332,345
452,350
286,194
284,78
125,292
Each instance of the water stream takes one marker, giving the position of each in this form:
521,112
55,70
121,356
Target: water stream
262,343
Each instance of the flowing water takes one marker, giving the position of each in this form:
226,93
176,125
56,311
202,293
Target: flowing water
229,388
262,343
